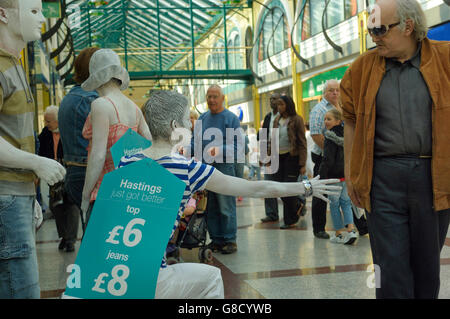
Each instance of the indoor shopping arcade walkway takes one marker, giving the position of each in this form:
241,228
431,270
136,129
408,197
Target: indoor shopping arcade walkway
270,263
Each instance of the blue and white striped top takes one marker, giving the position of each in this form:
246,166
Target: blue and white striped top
193,173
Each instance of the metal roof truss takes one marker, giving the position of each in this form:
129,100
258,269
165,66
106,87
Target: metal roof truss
157,38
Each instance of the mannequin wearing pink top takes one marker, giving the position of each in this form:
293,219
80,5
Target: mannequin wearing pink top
112,114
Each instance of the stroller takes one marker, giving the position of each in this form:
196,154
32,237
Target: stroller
192,233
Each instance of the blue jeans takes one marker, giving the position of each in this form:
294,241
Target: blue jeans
221,211
19,274
343,201
254,170
74,183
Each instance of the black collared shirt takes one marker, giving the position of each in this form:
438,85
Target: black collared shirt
403,110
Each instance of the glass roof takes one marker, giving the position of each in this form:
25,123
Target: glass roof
154,37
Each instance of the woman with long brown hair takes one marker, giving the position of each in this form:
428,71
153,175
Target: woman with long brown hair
292,151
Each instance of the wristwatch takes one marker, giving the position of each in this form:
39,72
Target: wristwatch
308,187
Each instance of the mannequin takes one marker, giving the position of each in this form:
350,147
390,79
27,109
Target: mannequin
112,111
20,22
167,114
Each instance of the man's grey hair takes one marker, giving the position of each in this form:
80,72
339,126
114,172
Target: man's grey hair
52,109
161,109
216,86
327,83
411,9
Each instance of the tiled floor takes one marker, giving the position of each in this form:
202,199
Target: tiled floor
270,263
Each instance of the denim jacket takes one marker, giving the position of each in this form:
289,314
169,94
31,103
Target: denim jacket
73,111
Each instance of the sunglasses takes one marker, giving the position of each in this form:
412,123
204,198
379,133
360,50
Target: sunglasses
382,30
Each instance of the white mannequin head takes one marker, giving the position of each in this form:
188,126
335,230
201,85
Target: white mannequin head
20,22
31,19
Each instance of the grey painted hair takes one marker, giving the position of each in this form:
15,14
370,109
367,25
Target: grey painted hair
161,109
8,4
411,9
52,109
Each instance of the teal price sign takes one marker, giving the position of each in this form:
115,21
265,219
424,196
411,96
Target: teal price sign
127,233
129,144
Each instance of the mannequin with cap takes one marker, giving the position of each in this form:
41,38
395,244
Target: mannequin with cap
20,22
112,114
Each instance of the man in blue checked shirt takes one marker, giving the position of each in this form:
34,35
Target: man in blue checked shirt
330,100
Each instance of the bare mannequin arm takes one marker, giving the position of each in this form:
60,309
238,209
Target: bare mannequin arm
234,186
47,169
100,110
143,129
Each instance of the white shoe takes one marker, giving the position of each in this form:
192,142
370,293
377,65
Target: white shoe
340,239
350,238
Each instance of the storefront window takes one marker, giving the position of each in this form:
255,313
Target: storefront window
351,8
234,51
306,23
275,35
231,55
317,7
237,52
337,12
280,38
219,57
267,32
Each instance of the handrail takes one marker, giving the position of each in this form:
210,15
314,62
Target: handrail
59,49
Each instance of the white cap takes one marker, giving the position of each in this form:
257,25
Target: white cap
103,66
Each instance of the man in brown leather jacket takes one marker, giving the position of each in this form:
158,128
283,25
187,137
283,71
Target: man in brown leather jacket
397,155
